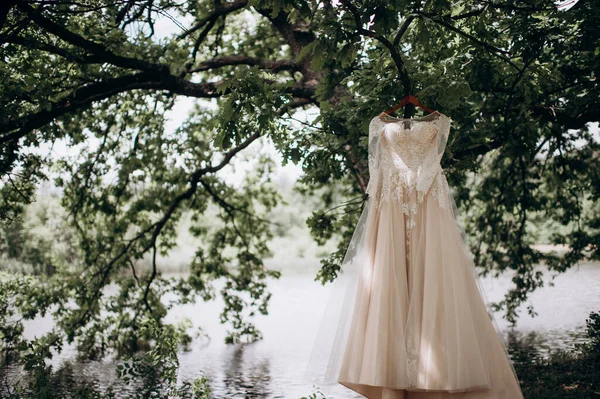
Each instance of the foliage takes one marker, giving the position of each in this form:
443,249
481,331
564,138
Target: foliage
314,395
565,373
95,78
158,367
593,332
152,374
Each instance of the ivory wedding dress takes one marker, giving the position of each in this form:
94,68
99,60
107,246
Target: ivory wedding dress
407,317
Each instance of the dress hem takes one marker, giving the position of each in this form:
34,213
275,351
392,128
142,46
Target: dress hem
413,389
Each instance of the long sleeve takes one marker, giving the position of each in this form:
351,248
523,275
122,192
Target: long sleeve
375,128
430,167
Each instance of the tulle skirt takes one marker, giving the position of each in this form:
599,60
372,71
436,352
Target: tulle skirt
417,324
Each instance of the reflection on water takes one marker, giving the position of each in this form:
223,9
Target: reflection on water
246,377
273,367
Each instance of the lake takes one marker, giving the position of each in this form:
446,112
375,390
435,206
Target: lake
273,367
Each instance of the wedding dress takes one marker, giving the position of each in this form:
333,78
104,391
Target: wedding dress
407,317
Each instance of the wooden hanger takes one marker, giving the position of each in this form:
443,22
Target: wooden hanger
410,99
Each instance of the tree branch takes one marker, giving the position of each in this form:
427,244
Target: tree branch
88,45
151,278
86,95
31,43
211,23
491,49
403,29
81,98
220,9
395,54
273,65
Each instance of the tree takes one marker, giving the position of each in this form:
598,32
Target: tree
519,81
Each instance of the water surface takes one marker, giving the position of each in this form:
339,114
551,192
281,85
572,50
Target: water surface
273,367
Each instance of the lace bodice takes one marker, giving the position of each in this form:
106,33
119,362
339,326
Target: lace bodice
405,155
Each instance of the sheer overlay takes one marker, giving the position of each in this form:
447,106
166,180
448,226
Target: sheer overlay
407,316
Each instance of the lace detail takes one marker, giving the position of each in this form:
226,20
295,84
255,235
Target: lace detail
412,353
403,159
439,190
410,209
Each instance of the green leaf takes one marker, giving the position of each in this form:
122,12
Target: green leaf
318,57
306,50
457,9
